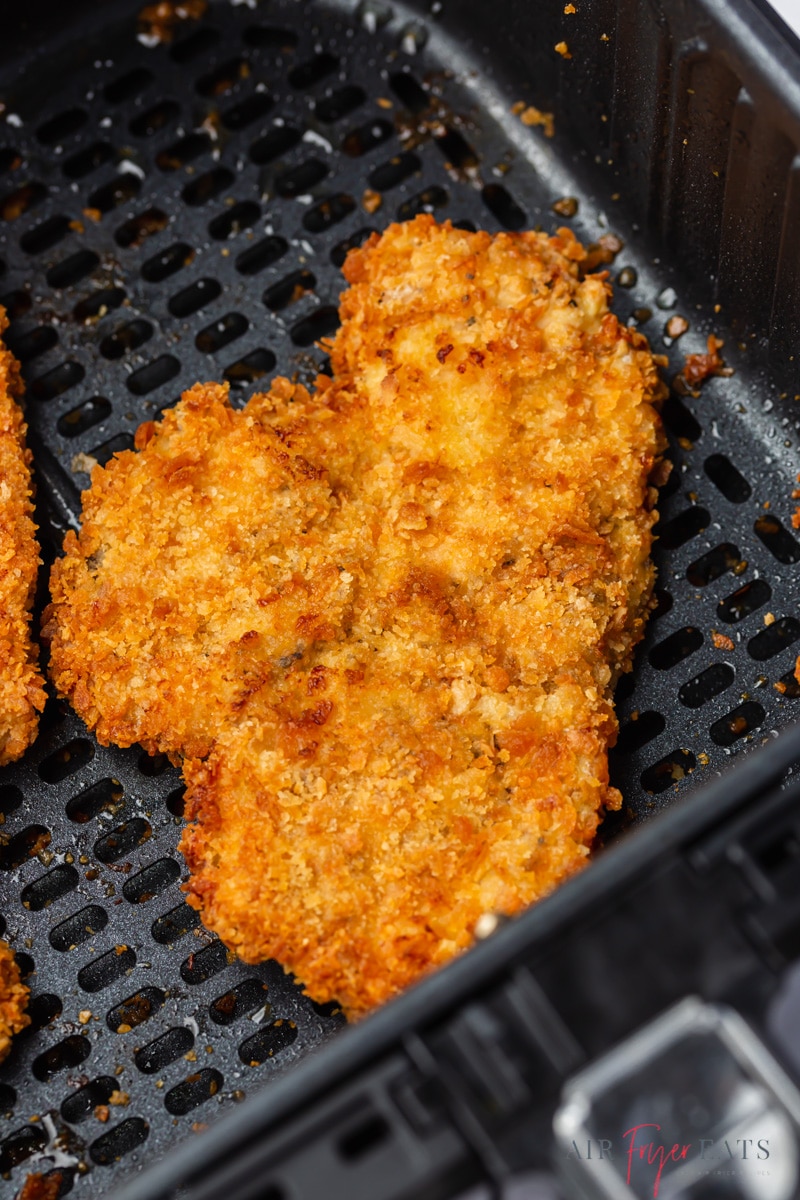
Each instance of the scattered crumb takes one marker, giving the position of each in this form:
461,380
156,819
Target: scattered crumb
700,367
199,1127
119,1099
769,618
77,226
83,462
371,201
382,102
93,214
721,641
102,1113
567,206
158,22
780,686
569,9
534,116
563,49
602,252
85,1016
676,327
702,758
604,37
191,1056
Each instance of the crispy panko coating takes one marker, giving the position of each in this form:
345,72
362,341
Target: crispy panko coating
195,561
21,686
13,1000
424,736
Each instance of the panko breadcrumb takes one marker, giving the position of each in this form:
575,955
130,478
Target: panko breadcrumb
13,1000
21,686
382,623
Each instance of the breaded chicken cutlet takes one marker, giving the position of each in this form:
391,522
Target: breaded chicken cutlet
21,686
389,667
13,1000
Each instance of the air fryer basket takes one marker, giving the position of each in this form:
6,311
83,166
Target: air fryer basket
179,212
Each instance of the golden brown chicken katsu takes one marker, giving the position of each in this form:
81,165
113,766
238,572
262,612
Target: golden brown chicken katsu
21,686
13,1000
381,624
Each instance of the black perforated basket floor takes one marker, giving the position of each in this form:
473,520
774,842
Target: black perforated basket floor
177,212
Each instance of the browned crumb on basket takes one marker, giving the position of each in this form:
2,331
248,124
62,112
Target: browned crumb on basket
721,641
41,1187
563,49
700,367
21,686
13,1000
158,22
530,116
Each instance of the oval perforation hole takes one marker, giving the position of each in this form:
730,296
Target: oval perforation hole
22,200
158,117
32,345
176,800
183,151
744,601
8,1098
119,1141
62,126
680,421
682,528
10,799
733,485
123,840
238,217
25,844
167,262
152,765
246,997
737,723
50,887
502,205
675,648
456,149
298,180
338,104
713,564
269,1041
135,230
705,686
153,375
99,303
166,1049
328,212
194,297
272,145
136,1009
70,270
205,963
16,304
392,173
78,928
269,37
340,251
43,1010
775,638
84,417
260,256
19,1146
247,370
426,201
366,137
195,1090
205,187
101,972
128,337
116,192
248,111
668,771
71,1052
224,331
175,924
637,732
411,94
128,86
104,796
45,235
289,290
66,760
788,686
82,1103
223,78
780,543
151,881
321,323
89,159
306,74
194,44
